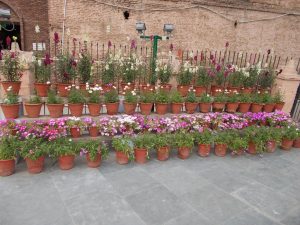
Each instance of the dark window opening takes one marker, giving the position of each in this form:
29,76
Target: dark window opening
9,30
126,15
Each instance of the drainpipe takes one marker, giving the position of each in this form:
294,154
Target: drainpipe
63,26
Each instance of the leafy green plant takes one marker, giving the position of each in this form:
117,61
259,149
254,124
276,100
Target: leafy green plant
205,137
75,122
220,98
76,96
62,147
164,73
176,97
130,97
162,140
273,134
222,137
94,147
33,148
233,98
8,147
11,67
144,141
251,76
185,75
66,68
123,144
191,97
267,78
235,79
245,98
42,69
183,139
205,98
267,98
109,70
85,67
35,99
290,132
202,77
238,143
278,97
53,98
94,96
162,97
111,96
258,136
257,98
11,98
147,97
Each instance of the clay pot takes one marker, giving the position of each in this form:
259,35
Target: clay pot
163,153
218,106
166,87
106,87
7,167
286,144
231,107
75,132
147,88
76,109
94,109
203,150
176,108
130,87
200,90
161,108
271,146
112,108
15,86
10,111
33,110
61,89
140,155
184,152
233,90
42,89
205,107
121,158
296,143
269,107
191,107
35,166
214,89
220,149
93,131
146,108
246,90
93,163
279,106
251,148
256,107
129,108
66,162
55,110
244,107
183,89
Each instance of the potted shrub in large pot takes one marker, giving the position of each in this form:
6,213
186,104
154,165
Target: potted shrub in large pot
273,137
205,103
161,102
84,68
237,143
204,141
221,143
184,78
124,149
8,148
55,105
164,74
219,102
176,102
245,103
184,142
76,101
257,139
92,126
146,102
42,73
130,101
250,76
162,145
10,106
191,102
111,100
202,83
75,126
94,101
289,134
33,107
142,145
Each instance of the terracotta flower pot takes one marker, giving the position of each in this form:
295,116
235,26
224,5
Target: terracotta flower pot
93,163
286,144
121,158
161,108
15,86
233,90
279,106
183,89
112,108
200,90
163,153
166,87
7,167
55,110
191,107
244,107
176,108
218,106
75,132
61,89
76,109
93,131
184,152
33,110
271,146
251,148
220,149
231,107
10,111
146,108
66,162
129,108
35,166
203,150
140,155
296,143
147,88
107,87
205,107
269,107
94,109
42,89
216,89
130,87
246,90
256,107
237,153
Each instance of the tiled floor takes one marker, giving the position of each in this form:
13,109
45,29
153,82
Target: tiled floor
248,190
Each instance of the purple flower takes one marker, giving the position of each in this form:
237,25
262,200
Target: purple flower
109,44
133,45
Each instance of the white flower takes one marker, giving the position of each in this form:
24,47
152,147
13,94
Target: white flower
90,91
39,62
70,140
106,67
77,87
156,69
9,88
48,82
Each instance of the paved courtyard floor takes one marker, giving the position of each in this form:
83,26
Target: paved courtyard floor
248,190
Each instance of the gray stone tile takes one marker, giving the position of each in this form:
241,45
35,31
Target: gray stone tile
214,204
267,200
293,190
157,205
293,218
191,218
101,208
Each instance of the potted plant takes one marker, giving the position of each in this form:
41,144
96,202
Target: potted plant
268,102
108,73
161,102
257,138
164,73
146,102
184,78
184,142
232,103
176,102
191,102
245,103
111,99
84,68
296,143
218,72
219,102
235,81
142,144
130,101
205,102
33,107
94,100
42,73
94,151
237,143
75,126
11,69
289,134
204,141
273,137
10,105
55,105
221,140
8,147
76,101
266,79
250,76
92,126
257,103
162,146
33,150
130,68
278,99
203,81
124,149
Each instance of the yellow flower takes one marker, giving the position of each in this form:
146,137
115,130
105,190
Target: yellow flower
14,38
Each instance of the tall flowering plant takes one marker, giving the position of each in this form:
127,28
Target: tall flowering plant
11,67
66,68
84,67
42,69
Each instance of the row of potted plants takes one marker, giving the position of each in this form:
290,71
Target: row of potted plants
254,140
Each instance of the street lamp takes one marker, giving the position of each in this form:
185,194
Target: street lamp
140,27
168,28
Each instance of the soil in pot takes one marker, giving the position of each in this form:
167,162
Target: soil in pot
121,158
183,89
129,108
271,146
255,107
204,150
161,108
269,108
146,108
205,107
184,152
93,163
232,107
55,110
244,107
112,108
33,110
94,109
191,107
176,108
163,153
75,132
42,89
76,109
7,167
10,111
296,143
140,155
220,149
35,166
286,144
15,86
93,131
66,162
62,89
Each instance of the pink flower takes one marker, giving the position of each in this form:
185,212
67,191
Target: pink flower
227,44
8,41
218,68
133,44
171,47
109,44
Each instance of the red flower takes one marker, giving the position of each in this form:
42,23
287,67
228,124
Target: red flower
66,76
211,57
195,57
227,44
218,68
202,56
133,45
8,41
56,38
47,60
109,44
171,47
12,55
269,51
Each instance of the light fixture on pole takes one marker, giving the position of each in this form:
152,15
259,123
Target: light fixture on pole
140,27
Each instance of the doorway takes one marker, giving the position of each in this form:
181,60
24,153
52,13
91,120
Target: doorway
9,29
